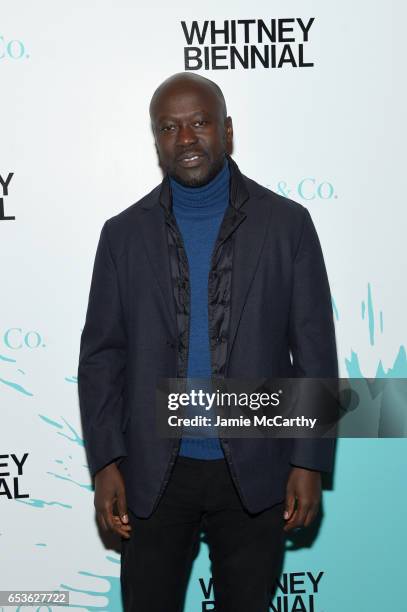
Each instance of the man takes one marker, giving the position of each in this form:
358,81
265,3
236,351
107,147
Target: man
210,274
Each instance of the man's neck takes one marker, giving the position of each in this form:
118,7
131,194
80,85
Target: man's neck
215,188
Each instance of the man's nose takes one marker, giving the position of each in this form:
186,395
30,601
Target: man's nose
186,135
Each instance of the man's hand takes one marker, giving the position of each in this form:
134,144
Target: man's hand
109,488
303,486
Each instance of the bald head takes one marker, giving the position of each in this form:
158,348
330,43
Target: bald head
191,129
187,80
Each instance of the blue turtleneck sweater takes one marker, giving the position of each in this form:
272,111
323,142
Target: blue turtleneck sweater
199,212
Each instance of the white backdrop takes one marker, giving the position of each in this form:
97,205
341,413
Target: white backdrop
76,80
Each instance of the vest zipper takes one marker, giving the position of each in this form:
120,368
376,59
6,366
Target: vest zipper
177,443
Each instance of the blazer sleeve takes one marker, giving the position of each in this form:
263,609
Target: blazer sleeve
312,336
102,361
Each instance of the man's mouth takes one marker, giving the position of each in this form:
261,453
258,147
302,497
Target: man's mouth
188,160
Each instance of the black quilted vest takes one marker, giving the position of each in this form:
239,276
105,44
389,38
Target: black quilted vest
219,281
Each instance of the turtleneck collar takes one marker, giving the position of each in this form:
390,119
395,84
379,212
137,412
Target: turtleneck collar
217,190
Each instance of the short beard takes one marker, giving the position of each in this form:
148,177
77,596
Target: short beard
197,181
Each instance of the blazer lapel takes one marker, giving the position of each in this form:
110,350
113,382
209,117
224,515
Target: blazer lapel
248,243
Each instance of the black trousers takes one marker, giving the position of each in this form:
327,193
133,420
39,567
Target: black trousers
245,550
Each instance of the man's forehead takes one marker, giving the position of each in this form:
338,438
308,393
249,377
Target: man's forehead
185,96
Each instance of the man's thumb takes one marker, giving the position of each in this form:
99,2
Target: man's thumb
122,508
289,505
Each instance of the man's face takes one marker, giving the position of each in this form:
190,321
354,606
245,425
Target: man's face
191,133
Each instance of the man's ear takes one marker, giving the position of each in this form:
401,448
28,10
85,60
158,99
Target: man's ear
158,158
152,129
155,140
229,134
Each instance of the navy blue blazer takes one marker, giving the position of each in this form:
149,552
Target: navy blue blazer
281,326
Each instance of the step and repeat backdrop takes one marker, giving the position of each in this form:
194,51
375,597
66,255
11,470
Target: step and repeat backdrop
317,95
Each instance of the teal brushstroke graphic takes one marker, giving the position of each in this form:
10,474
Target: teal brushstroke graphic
370,314
50,421
399,367
88,487
334,308
71,379
39,609
397,370
11,384
40,544
388,409
4,358
41,503
16,386
76,438
111,591
353,366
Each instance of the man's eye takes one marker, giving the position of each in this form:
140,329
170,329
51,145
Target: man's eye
200,122
167,128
